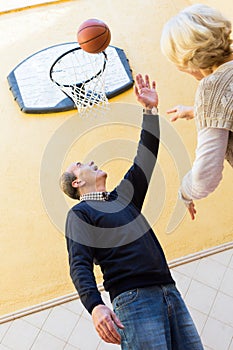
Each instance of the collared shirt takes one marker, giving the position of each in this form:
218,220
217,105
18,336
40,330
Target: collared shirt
95,196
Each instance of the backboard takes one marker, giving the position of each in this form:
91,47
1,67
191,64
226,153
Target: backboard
34,92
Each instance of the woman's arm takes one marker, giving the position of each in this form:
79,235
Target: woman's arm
206,172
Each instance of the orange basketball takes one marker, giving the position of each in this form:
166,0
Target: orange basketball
93,36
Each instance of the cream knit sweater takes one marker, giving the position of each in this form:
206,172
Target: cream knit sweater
213,112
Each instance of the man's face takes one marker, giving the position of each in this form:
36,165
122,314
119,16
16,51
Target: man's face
87,172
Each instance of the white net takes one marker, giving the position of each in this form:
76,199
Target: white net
81,76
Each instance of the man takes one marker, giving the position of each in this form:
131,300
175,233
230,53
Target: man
108,229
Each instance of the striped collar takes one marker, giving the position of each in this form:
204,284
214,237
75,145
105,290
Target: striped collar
95,196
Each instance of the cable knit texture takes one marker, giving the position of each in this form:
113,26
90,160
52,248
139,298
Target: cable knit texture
214,103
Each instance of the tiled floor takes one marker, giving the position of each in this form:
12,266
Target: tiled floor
206,285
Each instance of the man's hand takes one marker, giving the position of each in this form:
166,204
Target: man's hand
104,320
181,112
146,94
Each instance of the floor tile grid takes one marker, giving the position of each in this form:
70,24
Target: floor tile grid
84,315
8,343
209,319
79,317
42,331
215,292
218,290
183,276
220,318
224,294
3,329
231,345
184,272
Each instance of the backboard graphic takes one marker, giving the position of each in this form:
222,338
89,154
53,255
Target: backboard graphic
34,92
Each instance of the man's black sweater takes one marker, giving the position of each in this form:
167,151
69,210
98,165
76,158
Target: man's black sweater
115,235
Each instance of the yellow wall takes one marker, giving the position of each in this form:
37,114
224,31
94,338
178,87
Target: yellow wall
33,254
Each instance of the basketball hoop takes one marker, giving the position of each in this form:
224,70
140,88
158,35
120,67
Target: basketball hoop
80,75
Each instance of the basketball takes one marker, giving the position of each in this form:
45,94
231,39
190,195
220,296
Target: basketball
93,36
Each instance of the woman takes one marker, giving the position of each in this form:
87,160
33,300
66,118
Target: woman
198,42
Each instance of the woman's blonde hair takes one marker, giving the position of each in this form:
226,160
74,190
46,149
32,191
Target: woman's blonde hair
197,38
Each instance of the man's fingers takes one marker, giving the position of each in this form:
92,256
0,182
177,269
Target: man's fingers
143,83
104,321
153,85
117,321
108,337
112,332
147,81
108,332
145,94
139,80
136,90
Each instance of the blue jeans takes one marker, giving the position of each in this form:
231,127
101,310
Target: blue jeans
155,318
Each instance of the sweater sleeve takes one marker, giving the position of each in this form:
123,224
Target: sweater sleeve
206,172
81,260
135,183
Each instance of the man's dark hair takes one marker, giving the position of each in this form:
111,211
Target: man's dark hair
66,180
